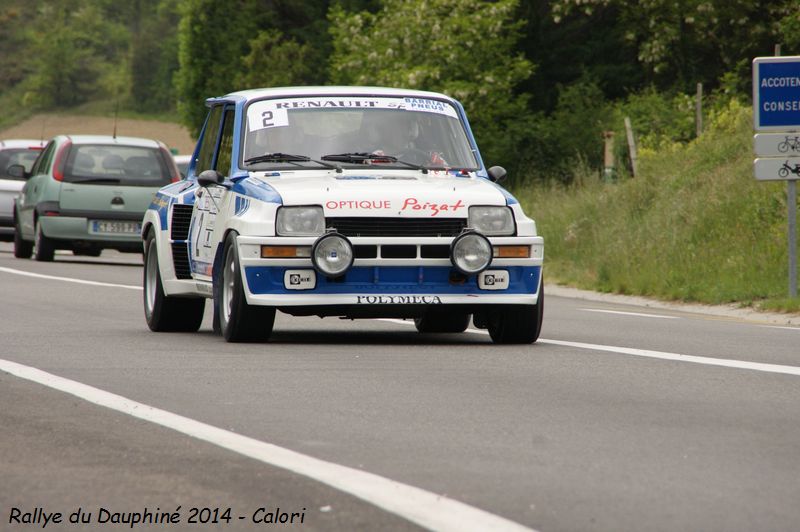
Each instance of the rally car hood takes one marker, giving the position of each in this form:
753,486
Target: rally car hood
389,193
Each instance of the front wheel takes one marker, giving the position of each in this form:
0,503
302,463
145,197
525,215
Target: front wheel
164,313
783,172
238,321
516,324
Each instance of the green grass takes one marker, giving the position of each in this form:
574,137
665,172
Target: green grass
695,225
15,112
108,107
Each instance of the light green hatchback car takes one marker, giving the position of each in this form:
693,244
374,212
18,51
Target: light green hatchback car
88,193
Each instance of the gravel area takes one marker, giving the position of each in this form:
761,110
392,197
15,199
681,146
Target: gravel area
49,125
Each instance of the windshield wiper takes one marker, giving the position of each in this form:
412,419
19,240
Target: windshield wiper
362,157
279,157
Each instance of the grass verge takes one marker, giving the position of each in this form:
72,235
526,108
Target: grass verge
694,226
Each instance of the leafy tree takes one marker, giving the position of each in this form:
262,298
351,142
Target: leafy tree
682,42
572,133
790,30
464,48
73,47
575,48
275,61
153,54
226,45
213,36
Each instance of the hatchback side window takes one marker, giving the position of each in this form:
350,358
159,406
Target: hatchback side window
223,165
42,164
210,137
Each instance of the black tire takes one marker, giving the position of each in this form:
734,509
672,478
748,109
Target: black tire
44,249
238,321
516,324
783,147
442,321
23,249
164,313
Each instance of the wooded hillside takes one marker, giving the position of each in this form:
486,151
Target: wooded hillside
540,79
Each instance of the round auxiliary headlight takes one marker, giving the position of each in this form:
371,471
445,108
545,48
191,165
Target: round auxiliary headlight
471,253
332,255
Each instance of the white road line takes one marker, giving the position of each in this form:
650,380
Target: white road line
780,327
709,361
68,279
426,509
640,314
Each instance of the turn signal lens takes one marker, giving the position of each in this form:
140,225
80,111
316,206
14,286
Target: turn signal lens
285,252
512,252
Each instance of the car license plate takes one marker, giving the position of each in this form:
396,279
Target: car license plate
115,227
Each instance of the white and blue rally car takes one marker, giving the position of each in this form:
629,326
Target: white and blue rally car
358,202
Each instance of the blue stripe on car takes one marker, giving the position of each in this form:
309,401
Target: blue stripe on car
433,280
256,189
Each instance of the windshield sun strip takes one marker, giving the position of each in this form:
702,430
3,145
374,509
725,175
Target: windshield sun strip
467,136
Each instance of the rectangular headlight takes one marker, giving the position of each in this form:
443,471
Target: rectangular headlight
300,221
492,220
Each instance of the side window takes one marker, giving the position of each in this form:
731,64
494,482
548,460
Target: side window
223,165
210,137
42,164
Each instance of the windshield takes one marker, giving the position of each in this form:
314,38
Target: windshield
420,131
24,156
116,165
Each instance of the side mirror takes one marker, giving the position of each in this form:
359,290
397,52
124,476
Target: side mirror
18,171
208,178
497,173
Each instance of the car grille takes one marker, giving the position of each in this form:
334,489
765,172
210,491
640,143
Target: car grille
180,260
181,218
357,226
179,233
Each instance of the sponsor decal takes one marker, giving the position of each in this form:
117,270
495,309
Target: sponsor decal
398,300
493,280
413,204
359,204
409,204
424,104
241,204
300,279
266,114
159,202
204,288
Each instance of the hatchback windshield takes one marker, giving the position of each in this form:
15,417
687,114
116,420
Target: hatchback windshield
420,131
24,156
116,165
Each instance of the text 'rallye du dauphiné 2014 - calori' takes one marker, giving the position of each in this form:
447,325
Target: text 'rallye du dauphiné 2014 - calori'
357,202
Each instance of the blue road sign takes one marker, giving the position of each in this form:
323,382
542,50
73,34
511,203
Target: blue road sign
776,93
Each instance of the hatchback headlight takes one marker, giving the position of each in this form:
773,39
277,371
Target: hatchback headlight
492,221
300,221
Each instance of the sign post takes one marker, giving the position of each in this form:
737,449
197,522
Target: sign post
776,109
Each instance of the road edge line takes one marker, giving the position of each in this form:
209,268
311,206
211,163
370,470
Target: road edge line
424,508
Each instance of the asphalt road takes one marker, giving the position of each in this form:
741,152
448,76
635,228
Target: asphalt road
621,418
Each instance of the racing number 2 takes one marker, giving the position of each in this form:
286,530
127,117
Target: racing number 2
267,119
